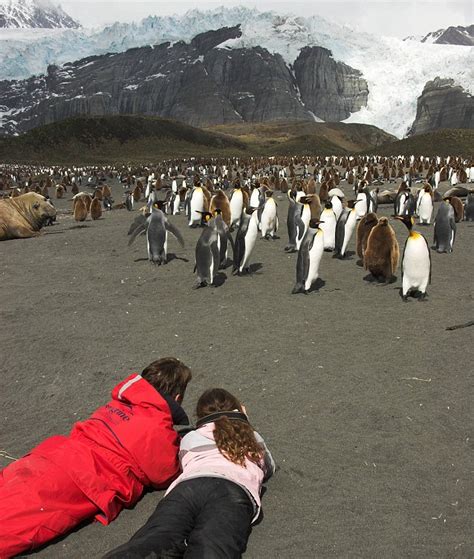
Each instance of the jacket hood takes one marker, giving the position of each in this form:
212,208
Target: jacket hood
136,390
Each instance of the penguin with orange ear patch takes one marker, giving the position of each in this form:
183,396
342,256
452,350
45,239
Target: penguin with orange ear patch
382,253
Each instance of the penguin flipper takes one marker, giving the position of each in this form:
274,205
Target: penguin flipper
139,220
175,232
140,230
231,240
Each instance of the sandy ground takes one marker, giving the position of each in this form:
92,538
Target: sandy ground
366,402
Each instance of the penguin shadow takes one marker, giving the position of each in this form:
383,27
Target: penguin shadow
219,279
369,278
172,256
79,227
317,285
252,269
360,263
347,256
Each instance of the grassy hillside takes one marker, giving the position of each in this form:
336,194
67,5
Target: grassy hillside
440,142
289,135
117,139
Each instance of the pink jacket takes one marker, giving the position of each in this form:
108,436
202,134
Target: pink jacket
200,457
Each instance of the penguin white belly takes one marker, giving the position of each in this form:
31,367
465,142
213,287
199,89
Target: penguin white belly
416,264
268,219
315,255
348,230
336,206
250,239
165,246
174,186
328,226
361,206
197,205
236,207
176,202
402,200
254,198
425,208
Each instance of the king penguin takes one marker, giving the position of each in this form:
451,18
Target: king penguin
328,226
195,206
469,207
156,226
309,258
302,219
236,206
269,217
424,206
416,262
207,253
344,229
245,241
444,228
293,210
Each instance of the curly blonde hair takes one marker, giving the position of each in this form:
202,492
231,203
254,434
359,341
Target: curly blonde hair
235,439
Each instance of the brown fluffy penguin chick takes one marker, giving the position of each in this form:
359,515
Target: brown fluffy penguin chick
364,227
382,253
323,192
457,207
207,198
220,202
314,206
59,191
96,209
80,209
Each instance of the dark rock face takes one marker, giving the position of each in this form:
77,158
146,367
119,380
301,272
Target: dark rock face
196,83
443,105
452,36
331,90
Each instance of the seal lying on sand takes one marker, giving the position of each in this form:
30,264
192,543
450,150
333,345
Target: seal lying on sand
24,216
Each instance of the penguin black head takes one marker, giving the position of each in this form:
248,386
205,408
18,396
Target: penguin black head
159,205
206,216
328,205
407,220
217,211
269,193
305,199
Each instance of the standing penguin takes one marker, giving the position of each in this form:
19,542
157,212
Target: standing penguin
328,226
220,201
364,227
344,229
80,209
269,217
424,205
309,258
444,228
207,253
293,210
382,253
156,226
416,262
236,206
195,204
96,208
129,201
224,237
245,241
401,199
469,207
302,219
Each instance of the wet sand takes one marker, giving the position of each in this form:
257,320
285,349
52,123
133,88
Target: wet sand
365,401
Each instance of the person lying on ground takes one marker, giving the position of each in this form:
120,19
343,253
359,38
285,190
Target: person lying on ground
209,509
102,467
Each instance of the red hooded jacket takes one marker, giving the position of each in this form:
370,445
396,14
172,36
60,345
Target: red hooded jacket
125,445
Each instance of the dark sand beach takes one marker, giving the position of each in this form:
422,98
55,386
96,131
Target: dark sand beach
365,401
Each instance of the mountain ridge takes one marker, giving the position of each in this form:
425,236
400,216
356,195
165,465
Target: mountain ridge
34,14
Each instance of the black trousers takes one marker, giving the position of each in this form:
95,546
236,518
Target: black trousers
201,518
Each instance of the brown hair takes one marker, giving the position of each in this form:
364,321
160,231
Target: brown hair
169,375
235,439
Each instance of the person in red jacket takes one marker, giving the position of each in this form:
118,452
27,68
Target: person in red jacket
102,467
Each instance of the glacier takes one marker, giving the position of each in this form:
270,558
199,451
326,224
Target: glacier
396,70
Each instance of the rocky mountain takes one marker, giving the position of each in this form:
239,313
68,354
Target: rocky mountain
34,14
443,104
452,36
200,83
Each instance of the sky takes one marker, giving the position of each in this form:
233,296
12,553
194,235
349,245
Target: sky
395,18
